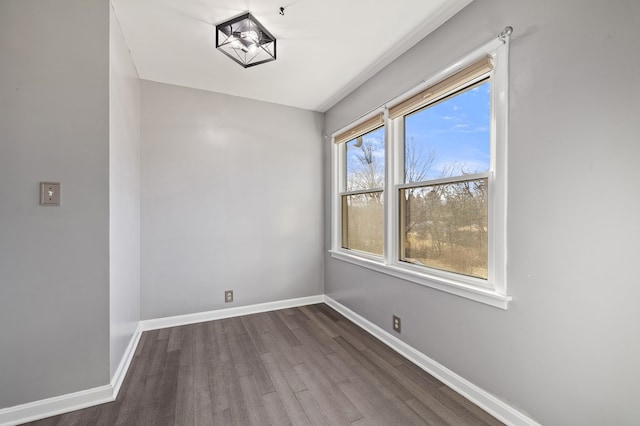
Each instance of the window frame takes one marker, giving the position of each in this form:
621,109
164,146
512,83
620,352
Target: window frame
339,188
492,291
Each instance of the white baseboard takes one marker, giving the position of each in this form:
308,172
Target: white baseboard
125,362
73,401
57,405
87,398
99,395
496,407
154,324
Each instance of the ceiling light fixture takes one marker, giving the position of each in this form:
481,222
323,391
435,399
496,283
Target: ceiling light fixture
246,41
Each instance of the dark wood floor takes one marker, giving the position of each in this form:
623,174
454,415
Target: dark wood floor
300,366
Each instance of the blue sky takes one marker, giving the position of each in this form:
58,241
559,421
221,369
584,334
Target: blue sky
457,130
376,140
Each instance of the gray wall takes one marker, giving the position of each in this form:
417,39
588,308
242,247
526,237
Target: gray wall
566,351
54,261
124,195
231,199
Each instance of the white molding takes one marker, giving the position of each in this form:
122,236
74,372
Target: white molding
125,362
87,398
496,407
154,324
57,405
417,275
99,395
73,401
438,18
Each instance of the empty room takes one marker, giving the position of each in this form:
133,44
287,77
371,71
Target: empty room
319,212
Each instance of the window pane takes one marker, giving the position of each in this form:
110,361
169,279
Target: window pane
449,138
365,161
445,227
362,222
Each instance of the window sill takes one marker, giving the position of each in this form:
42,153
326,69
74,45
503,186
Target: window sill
483,295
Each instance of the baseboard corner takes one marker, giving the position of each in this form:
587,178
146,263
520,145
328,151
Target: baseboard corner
125,362
56,405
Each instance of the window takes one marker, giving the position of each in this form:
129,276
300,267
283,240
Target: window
361,186
362,202
420,184
443,204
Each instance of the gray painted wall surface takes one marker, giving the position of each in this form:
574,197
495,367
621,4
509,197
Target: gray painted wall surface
124,195
54,261
567,349
231,199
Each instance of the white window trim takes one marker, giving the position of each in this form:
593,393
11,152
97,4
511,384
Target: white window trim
492,292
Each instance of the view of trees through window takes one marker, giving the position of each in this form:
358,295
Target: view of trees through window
363,225
445,226
363,213
365,161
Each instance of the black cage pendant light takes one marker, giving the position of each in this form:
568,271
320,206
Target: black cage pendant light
246,41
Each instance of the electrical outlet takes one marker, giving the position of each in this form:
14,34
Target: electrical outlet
396,324
228,296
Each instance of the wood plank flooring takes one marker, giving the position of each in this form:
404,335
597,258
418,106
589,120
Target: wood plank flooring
300,366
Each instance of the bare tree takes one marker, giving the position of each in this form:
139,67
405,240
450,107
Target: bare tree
367,171
416,167
445,225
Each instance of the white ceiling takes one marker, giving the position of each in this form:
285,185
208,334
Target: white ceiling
326,48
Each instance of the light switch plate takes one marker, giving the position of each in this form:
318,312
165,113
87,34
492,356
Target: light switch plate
50,193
